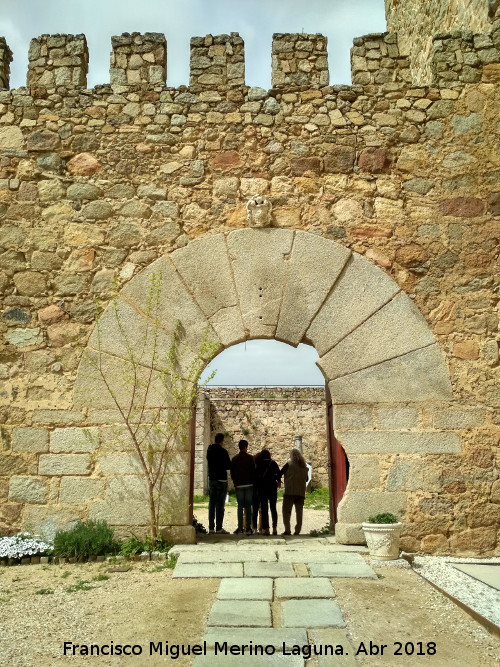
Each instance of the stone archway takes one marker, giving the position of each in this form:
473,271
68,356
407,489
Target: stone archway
377,353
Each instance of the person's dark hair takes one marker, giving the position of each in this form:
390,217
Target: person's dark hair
219,438
242,444
265,455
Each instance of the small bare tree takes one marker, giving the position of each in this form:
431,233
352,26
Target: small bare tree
160,389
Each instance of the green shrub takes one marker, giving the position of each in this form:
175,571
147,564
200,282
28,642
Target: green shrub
85,539
199,527
385,517
197,499
134,545
318,499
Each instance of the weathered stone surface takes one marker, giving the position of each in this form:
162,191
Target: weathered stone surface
395,330
303,588
79,490
226,161
30,283
418,376
363,504
361,291
27,490
11,138
364,472
463,207
396,417
459,417
260,269
315,265
246,589
353,416
467,349
301,165
84,164
51,314
254,613
311,613
339,160
404,442
47,520
175,302
25,439
64,464
374,160
25,337
74,440
212,284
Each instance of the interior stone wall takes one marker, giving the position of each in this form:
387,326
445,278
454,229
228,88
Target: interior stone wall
269,418
385,216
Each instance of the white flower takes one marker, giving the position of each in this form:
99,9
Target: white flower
23,545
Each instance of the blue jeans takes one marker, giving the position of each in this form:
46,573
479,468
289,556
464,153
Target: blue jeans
217,492
244,496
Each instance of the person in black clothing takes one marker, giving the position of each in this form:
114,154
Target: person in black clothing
243,474
218,465
267,480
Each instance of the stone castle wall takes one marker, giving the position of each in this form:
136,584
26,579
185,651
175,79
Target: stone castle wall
268,418
419,23
97,184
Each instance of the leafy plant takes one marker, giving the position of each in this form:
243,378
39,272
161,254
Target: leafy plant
134,545
199,499
321,531
100,577
81,585
44,591
85,539
199,527
384,517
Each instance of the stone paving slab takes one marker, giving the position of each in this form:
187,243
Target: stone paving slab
246,613
341,570
304,588
269,570
211,660
235,556
246,589
318,556
311,614
259,636
206,570
325,637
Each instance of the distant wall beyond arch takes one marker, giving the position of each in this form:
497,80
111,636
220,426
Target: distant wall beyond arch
377,353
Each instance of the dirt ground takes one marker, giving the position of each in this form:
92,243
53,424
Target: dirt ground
43,606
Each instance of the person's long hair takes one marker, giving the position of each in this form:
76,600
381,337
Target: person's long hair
296,457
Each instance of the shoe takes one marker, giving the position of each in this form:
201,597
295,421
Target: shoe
211,530
266,532
297,533
222,532
286,532
275,532
239,531
249,532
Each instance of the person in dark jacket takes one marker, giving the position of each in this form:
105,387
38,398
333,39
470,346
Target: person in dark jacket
295,474
267,480
242,474
218,465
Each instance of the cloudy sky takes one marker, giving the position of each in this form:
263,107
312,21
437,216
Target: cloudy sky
179,20
257,362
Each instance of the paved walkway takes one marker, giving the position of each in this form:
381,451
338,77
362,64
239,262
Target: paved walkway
275,597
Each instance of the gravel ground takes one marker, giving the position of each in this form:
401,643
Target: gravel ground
480,597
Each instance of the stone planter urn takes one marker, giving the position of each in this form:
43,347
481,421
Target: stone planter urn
382,539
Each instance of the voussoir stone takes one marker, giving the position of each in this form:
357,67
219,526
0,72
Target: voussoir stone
314,266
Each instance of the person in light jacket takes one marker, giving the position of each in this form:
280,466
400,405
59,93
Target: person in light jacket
295,476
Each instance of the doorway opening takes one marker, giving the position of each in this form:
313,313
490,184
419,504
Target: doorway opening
274,396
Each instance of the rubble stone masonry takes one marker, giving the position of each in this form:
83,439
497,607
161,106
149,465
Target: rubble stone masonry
402,169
